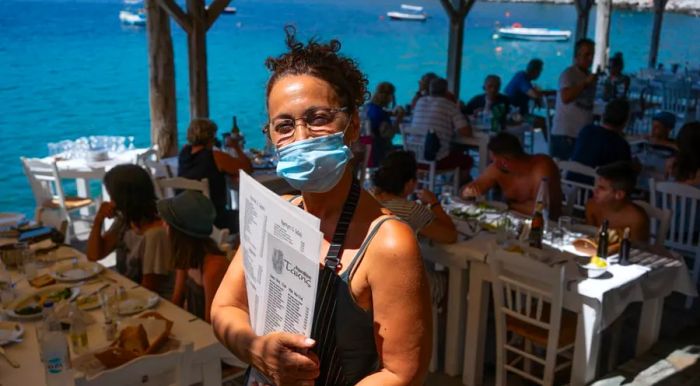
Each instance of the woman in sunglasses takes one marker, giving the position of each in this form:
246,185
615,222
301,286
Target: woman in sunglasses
380,331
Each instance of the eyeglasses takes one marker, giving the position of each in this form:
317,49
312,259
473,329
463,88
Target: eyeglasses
318,121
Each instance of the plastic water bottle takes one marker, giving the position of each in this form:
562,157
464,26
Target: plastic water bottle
54,350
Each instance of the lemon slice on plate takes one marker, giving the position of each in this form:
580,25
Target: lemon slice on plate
598,262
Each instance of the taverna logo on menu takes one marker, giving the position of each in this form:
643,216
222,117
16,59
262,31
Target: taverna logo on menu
280,264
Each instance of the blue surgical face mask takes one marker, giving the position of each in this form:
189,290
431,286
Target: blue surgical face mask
314,165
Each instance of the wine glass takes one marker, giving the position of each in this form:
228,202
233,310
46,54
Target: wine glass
131,142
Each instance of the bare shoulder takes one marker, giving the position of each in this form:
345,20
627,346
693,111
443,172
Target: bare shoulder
637,212
545,165
395,243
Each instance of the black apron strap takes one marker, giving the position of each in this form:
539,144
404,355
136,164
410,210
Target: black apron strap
323,330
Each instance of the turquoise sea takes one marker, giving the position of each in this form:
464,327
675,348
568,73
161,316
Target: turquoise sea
69,69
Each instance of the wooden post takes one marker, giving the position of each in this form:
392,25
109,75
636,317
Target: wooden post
583,12
196,22
161,77
659,8
457,11
197,50
602,34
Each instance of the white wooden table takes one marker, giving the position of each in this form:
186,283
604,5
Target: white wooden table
208,352
598,302
84,171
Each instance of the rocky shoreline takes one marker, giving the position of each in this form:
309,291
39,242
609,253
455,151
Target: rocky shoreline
691,7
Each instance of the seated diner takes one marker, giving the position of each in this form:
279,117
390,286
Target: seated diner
611,201
198,262
137,235
394,181
199,159
518,176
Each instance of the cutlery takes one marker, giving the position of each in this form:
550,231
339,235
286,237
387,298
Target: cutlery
8,359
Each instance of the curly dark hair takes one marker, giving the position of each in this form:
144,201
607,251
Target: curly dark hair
131,189
688,159
322,61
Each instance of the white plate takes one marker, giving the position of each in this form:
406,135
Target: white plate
77,272
135,302
10,332
36,297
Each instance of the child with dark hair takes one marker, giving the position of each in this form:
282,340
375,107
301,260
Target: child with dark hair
611,201
137,235
394,181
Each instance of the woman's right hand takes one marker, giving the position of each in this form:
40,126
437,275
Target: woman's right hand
285,358
106,210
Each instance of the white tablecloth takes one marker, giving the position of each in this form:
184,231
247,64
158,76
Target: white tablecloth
597,301
186,328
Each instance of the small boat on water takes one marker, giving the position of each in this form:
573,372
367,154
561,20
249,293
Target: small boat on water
536,34
137,18
229,10
408,12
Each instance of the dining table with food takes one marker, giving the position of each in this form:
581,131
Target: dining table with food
59,310
598,289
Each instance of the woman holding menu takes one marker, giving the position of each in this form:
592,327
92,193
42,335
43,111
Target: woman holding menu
372,320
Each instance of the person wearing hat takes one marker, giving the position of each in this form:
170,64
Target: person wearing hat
199,263
662,124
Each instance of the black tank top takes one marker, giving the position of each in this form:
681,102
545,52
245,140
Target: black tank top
202,165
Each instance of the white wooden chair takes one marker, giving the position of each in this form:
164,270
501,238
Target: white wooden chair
414,141
169,368
684,202
528,297
150,161
48,192
168,186
576,193
659,221
677,97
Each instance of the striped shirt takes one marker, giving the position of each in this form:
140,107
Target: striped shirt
442,116
417,216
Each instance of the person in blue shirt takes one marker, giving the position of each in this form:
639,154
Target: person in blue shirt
520,90
600,145
382,129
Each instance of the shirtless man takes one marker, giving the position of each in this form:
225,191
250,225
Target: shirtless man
611,201
518,175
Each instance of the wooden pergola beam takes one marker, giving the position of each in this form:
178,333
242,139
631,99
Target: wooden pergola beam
214,10
180,17
659,9
457,11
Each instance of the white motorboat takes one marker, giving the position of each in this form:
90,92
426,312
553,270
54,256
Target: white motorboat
408,12
133,18
537,34
230,10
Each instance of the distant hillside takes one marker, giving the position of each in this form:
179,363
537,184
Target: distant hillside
684,6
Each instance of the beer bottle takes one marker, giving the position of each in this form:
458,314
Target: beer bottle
537,227
603,241
625,247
